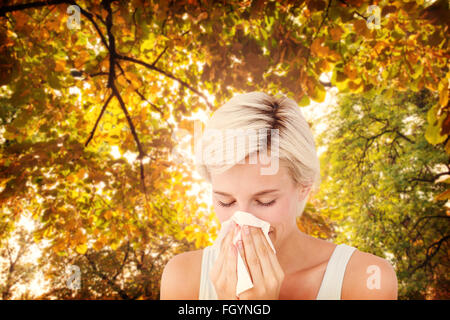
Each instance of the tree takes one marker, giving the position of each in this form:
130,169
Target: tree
14,269
124,273
385,180
134,71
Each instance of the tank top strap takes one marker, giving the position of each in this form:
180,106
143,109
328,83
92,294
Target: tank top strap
331,286
207,291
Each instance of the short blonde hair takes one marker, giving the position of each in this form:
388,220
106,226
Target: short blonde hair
256,111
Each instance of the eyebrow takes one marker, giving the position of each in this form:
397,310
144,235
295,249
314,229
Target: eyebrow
256,194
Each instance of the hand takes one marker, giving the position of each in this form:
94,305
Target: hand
262,263
223,273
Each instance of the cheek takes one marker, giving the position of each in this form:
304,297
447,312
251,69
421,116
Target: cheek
279,214
222,213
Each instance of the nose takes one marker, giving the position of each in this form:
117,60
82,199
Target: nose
245,208
248,209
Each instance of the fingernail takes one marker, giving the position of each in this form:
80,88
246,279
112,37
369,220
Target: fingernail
246,230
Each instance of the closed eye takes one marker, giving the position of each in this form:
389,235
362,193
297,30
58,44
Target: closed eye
266,204
225,204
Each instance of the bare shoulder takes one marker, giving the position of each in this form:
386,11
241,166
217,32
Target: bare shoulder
180,279
369,277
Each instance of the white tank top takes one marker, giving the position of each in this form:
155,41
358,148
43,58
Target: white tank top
330,288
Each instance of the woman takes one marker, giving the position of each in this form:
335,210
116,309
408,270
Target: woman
303,267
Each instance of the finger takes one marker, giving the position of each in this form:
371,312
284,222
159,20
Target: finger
263,252
222,253
241,250
251,256
272,256
230,266
229,237
228,275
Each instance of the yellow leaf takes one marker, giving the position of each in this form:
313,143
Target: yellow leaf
443,92
81,249
432,134
114,245
48,232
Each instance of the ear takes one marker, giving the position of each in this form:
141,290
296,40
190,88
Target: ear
303,192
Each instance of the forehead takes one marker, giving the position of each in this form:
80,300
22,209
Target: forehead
247,178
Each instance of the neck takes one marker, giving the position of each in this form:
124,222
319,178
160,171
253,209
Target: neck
292,252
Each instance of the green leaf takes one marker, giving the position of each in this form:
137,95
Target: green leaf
319,94
53,81
433,136
304,101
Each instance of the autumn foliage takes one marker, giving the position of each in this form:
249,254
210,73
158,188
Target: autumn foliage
129,74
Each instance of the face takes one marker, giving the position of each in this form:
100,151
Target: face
273,198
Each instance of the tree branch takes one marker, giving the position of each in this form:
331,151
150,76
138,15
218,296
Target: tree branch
113,56
143,97
323,20
38,4
159,56
111,84
98,120
428,217
19,7
431,180
111,283
90,17
325,84
318,30
167,74
123,261
430,253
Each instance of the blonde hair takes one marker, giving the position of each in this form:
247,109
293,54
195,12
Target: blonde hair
256,111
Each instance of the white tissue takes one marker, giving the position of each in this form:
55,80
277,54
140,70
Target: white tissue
242,218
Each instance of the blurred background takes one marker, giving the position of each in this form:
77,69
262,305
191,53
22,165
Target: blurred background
97,108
